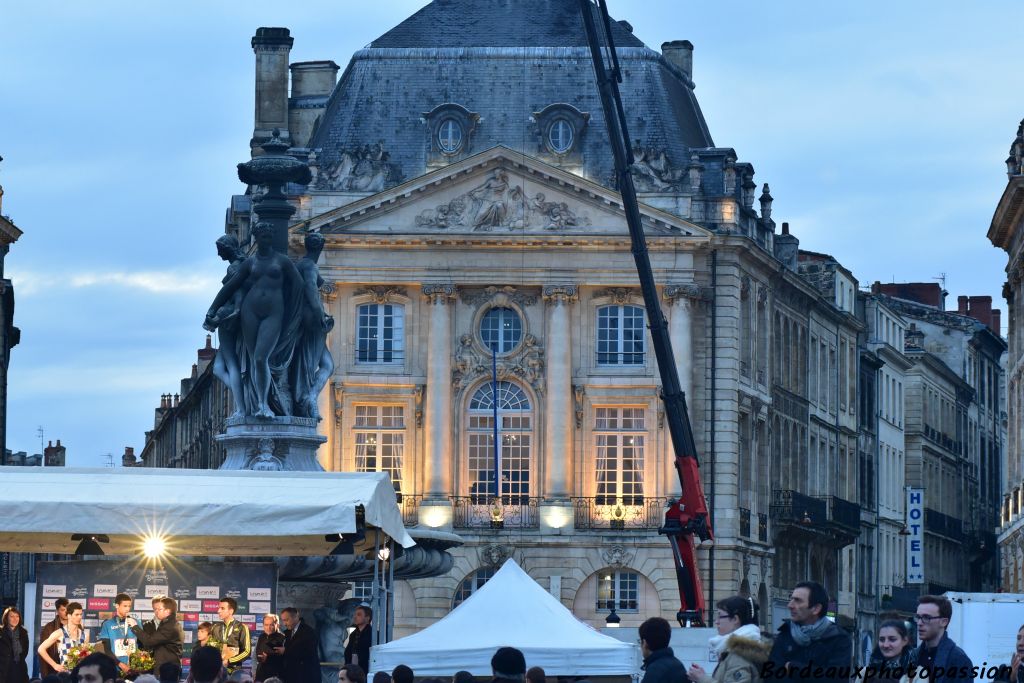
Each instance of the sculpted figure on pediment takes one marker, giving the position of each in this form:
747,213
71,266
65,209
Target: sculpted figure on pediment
652,171
365,168
498,204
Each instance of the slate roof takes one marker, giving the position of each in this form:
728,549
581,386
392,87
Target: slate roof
505,60
497,23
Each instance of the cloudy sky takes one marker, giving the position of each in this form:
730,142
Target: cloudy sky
881,127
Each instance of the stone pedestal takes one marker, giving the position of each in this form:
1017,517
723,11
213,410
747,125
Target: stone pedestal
275,444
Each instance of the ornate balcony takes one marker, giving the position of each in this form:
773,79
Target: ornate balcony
843,515
410,507
744,523
792,508
514,512
943,525
630,512
762,527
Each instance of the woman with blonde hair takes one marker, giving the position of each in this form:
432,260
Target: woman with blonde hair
739,647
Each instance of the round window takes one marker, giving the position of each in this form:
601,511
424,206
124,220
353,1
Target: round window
501,329
560,136
449,136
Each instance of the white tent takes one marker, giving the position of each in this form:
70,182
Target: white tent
510,609
197,512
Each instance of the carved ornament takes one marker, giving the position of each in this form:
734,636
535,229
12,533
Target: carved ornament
418,403
495,554
382,294
497,203
328,291
476,297
363,168
617,556
339,402
526,364
556,295
688,291
263,459
578,391
618,295
439,294
653,172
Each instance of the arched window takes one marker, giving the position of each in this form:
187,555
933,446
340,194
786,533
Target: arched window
515,434
449,136
620,589
470,585
560,136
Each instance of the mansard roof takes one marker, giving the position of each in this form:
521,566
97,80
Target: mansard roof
497,23
498,64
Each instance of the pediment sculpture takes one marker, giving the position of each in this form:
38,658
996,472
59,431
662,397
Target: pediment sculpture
653,172
526,364
497,203
364,168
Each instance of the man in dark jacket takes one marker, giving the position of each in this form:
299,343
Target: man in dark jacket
301,649
660,664
357,650
270,664
60,620
944,660
809,646
165,639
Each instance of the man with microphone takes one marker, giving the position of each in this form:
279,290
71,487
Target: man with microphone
116,632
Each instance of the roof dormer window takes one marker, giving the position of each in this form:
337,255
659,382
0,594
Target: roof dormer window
449,136
451,127
560,136
560,127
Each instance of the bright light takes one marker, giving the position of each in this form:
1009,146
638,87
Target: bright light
435,516
153,547
384,553
556,517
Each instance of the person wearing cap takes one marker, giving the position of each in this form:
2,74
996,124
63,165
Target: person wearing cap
508,665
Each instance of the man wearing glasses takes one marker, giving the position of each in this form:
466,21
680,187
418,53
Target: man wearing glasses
943,659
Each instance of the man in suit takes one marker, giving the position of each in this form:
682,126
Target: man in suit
357,650
165,639
60,620
301,649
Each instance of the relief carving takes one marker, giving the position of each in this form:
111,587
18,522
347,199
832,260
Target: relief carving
263,458
495,554
652,171
525,365
498,204
689,291
418,400
381,295
618,295
617,556
364,168
472,297
339,402
578,391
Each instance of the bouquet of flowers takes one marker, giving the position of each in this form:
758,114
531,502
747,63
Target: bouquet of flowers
77,654
140,661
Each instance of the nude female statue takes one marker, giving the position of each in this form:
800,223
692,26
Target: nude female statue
270,285
226,365
313,364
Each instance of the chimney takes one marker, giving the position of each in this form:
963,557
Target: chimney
312,85
177,399
679,53
961,305
207,353
272,47
128,459
997,320
787,248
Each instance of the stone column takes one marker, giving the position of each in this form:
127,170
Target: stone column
682,299
558,429
438,408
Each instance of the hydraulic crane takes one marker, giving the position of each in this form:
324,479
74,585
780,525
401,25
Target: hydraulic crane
687,516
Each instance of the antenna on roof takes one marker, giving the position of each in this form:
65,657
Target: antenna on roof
941,277
42,448
109,459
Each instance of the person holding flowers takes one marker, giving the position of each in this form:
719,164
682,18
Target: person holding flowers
116,632
165,640
69,638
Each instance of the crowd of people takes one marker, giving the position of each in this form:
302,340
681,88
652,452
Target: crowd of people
807,647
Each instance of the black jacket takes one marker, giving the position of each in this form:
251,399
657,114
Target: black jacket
826,659
954,663
302,655
164,642
272,665
359,646
13,670
661,666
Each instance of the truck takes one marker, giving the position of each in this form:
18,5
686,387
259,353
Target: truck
985,626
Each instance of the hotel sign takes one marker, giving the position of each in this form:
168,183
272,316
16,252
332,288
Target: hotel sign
915,541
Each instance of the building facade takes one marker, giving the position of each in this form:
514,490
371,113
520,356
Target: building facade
10,335
1006,232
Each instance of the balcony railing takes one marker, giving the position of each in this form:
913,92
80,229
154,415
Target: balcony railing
631,512
843,513
410,507
944,525
762,527
515,512
795,508
744,522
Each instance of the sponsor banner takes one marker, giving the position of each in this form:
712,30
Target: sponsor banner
247,618
105,590
262,594
47,617
208,592
98,603
157,591
259,608
210,605
190,605
189,634
141,604
49,604
54,590
91,623
189,616
206,616
915,541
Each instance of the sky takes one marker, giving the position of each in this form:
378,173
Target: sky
880,127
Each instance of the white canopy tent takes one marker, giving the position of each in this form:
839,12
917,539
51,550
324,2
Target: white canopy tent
196,512
510,609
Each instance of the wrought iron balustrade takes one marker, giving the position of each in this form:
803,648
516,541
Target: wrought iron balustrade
797,508
762,527
944,525
627,512
744,522
410,507
479,512
843,513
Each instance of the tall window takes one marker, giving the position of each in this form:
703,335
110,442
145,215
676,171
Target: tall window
380,334
515,432
501,329
620,335
380,441
619,464
621,589
470,585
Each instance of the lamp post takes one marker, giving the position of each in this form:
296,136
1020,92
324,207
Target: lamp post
273,169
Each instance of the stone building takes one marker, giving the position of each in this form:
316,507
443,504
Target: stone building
461,179
955,429
9,334
1006,232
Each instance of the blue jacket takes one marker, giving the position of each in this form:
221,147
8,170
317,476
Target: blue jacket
950,662
661,666
115,631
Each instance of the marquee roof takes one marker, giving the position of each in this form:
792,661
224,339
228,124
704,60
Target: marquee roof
198,512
